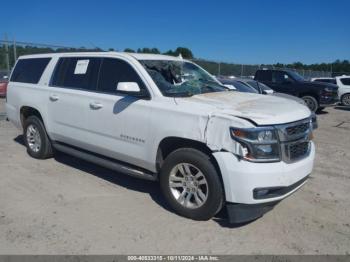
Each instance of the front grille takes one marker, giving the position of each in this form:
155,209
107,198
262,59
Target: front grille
298,150
295,141
298,129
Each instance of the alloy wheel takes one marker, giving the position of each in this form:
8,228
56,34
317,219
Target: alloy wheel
188,185
33,138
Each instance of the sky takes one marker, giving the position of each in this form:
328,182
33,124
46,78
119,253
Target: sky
249,32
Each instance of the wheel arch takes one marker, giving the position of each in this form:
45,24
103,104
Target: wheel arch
342,96
169,144
316,96
26,111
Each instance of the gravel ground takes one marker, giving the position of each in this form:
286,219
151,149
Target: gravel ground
67,206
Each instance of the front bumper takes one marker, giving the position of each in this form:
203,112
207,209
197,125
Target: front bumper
242,178
329,100
239,213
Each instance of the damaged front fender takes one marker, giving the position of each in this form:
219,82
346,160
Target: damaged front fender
217,133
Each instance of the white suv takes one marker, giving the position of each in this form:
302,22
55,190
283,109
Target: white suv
343,82
166,119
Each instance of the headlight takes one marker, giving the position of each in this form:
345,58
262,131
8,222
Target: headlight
328,89
258,144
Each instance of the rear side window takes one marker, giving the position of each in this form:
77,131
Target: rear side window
29,70
345,81
77,73
114,71
263,75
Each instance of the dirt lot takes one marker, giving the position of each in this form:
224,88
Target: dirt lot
67,206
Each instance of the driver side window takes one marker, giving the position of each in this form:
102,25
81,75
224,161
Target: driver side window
114,71
280,77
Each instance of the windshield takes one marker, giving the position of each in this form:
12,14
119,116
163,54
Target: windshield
181,78
296,76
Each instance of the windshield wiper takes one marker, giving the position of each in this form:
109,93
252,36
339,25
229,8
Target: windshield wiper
178,94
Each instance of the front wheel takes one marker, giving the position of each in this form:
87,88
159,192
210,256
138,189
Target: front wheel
191,185
345,100
311,103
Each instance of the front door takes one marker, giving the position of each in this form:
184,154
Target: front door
119,124
283,83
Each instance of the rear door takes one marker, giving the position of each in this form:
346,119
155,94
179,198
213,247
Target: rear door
71,90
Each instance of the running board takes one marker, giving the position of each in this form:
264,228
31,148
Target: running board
105,162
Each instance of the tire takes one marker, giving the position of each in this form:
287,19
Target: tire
320,109
345,99
311,103
36,139
206,191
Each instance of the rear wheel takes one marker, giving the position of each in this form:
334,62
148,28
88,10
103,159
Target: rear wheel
191,184
345,100
36,140
311,103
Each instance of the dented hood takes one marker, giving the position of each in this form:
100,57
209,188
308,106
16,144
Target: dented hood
261,109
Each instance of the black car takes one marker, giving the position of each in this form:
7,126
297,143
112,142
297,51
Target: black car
316,95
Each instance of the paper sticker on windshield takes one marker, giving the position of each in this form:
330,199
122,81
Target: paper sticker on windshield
81,67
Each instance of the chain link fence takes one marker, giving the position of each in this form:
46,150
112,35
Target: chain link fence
10,50
248,71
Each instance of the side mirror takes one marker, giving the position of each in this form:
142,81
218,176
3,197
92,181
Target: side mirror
128,87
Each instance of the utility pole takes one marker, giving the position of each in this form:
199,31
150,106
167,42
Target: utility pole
219,69
241,70
7,54
14,50
331,69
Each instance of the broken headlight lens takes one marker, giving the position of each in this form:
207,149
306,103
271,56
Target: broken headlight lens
257,144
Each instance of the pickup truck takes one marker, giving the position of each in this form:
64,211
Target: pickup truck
165,119
316,95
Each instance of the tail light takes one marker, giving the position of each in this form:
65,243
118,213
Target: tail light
3,88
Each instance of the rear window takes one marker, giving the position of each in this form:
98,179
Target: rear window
345,81
263,75
77,73
29,70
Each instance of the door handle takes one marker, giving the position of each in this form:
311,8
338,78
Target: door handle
95,105
54,98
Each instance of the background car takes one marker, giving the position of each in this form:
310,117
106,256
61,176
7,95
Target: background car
3,86
316,95
253,86
343,83
324,80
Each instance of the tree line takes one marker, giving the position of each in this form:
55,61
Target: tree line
342,66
